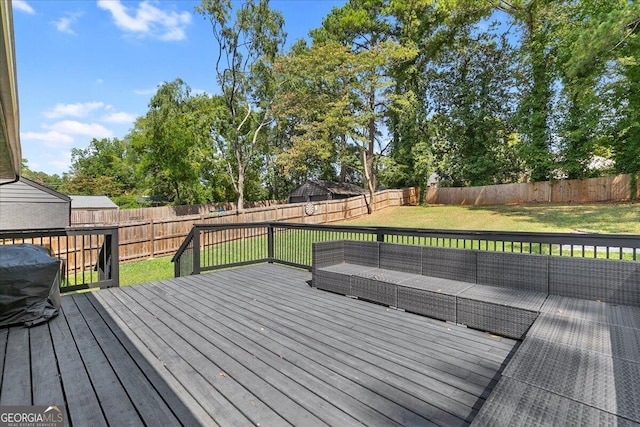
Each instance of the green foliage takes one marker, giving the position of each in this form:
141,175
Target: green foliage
386,93
173,144
105,167
472,119
247,45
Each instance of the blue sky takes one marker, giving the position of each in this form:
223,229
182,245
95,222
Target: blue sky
86,69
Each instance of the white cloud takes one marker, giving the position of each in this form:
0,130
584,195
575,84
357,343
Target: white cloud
50,139
61,162
99,81
64,23
79,109
118,117
73,127
145,91
148,20
23,6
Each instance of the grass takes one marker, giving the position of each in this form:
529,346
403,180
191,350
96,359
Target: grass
597,218
147,270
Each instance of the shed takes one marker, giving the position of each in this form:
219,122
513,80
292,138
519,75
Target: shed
313,191
27,205
92,203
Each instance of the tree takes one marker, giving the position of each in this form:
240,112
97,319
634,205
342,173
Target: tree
432,28
473,137
103,168
173,143
247,46
360,26
52,181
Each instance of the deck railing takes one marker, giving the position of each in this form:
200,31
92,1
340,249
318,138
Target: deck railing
88,255
215,246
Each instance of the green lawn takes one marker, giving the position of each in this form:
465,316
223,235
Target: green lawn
598,218
604,218
147,270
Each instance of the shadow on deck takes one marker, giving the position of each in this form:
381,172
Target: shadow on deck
248,346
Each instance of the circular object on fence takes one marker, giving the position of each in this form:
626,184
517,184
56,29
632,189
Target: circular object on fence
309,209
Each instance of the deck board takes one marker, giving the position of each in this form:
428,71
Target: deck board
312,362
81,400
16,384
144,398
381,332
254,345
361,356
189,368
115,403
46,387
185,407
307,372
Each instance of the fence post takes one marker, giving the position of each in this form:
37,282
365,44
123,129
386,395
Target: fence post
196,250
270,251
380,236
153,239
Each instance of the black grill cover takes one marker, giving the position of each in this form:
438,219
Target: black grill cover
29,285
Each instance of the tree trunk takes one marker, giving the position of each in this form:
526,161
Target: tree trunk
369,178
240,188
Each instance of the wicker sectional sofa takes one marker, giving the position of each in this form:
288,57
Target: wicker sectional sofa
499,292
579,319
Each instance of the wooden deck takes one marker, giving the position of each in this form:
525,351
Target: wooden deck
250,346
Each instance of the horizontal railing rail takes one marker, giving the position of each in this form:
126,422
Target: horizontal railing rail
88,255
215,246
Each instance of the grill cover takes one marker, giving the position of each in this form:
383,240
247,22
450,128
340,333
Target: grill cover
29,285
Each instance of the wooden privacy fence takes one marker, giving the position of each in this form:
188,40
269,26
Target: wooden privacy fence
604,189
160,237
114,216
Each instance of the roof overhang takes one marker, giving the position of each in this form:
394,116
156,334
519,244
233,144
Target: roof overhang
10,151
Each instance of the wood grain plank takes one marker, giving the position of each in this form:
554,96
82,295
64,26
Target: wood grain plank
147,402
324,399
45,377
114,400
275,349
473,368
188,410
448,395
82,402
438,404
16,382
260,401
200,379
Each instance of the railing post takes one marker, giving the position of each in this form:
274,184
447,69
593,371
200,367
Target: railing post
115,256
380,236
270,251
176,267
196,250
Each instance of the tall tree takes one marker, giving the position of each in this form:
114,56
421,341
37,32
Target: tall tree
433,29
247,44
363,29
172,143
105,167
473,136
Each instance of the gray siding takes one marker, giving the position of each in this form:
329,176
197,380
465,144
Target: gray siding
25,205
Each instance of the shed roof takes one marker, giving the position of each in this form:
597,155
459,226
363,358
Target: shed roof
323,187
92,202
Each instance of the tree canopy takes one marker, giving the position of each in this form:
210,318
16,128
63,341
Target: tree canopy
387,93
